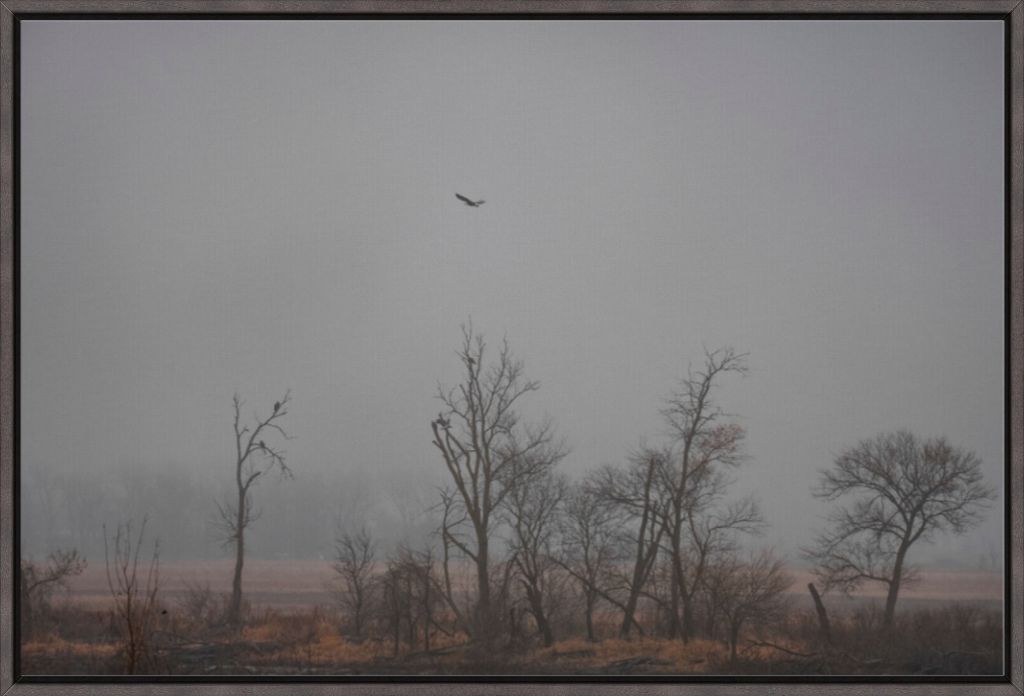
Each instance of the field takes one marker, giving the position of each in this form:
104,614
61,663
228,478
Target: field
296,585
950,622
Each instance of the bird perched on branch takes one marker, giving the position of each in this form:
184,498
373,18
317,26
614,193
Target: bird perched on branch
277,406
471,203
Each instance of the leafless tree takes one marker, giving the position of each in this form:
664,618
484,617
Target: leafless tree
134,596
902,489
693,476
39,581
424,598
354,565
588,547
480,437
452,541
254,459
533,506
634,492
712,530
397,601
750,592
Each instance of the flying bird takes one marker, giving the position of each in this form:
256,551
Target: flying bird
471,203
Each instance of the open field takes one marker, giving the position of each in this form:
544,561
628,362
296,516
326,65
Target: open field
304,584
950,623
955,639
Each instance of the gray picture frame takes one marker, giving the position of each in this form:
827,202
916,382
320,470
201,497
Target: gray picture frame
1011,12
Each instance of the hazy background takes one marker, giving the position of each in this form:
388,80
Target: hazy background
212,206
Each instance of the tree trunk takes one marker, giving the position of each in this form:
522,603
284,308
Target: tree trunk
545,630
589,613
890,602
819,606
676,583
734,638
676,546
410,617
537,609
235,607
687,628
357,618
627,614
894,586
484,625
709,622
427,614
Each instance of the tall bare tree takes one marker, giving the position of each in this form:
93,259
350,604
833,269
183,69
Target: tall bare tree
354,556
534,504
633,490
901,490
693,478
589,550
481,438
254,459
712,530
412,574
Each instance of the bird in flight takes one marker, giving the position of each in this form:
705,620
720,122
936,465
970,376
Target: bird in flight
471,203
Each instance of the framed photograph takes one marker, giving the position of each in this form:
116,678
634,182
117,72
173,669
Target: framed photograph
397,346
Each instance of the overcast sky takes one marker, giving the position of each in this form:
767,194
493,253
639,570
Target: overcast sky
212,206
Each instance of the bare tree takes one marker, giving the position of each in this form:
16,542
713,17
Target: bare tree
634,492
354,565
38,582
750,592
533,506
254,458
588,548
902,489
692,476
480,437
450,533
135,597
418,586
397,601
712,529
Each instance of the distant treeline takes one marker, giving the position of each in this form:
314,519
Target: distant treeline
67,509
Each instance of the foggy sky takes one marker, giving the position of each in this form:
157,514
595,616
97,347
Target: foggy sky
251,206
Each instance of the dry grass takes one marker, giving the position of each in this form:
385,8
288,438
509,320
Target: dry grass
331,649
296,636
579,654
57,646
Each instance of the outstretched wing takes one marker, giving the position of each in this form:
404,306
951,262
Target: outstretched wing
463,199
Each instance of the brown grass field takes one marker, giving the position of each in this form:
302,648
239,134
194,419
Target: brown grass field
949,623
